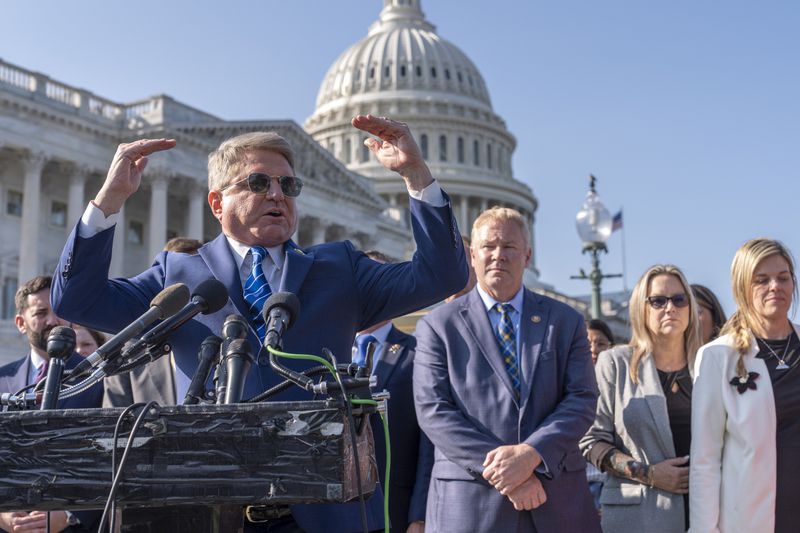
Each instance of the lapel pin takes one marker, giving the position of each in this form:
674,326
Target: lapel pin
536,319
394,348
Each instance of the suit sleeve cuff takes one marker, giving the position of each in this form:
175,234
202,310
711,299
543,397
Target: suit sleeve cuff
94,221
432,194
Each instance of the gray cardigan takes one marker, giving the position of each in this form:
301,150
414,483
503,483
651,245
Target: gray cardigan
633,418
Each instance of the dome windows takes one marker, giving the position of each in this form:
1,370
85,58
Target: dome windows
476,153
442,148
447,73
460,149
419,71
433,72
423,146
403,71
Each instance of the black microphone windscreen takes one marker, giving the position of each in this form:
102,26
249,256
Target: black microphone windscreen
171,299
61,342
214,293
286,300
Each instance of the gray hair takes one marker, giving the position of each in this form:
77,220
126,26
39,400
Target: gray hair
227,161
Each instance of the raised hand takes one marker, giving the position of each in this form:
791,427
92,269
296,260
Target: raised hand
506,467
125,174
396,150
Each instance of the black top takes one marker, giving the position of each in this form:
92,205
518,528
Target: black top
786,391
677,387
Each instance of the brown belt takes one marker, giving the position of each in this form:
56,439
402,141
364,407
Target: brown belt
259,514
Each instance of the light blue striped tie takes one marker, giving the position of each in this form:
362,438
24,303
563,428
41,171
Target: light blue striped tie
257,290
507,339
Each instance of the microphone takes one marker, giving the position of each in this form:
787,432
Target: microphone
280,310
165,304
238,360
60,345
209,297
234,327
207,357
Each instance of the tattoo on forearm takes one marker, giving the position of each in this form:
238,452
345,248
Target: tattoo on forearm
626,466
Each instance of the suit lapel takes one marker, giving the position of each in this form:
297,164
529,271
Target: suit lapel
219,258
295,268
19,378
532,329
654,396
389,358
476,319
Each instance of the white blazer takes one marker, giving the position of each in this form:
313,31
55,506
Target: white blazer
733,459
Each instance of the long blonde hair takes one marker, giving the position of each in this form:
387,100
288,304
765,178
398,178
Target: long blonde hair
641,338
740,325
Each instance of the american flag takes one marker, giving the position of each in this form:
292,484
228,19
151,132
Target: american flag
616,222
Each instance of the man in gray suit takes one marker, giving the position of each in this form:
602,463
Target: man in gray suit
504,387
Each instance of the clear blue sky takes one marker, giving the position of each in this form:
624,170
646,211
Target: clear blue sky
687,111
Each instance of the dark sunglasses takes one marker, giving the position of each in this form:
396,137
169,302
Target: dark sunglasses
259,183
660,302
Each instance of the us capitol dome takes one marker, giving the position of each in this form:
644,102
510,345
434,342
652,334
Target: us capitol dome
403,69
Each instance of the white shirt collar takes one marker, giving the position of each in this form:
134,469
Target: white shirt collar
37,360
489,302
240,251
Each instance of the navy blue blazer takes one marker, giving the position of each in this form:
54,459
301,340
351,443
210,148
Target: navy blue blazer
467,406
14,376
412,452
341,291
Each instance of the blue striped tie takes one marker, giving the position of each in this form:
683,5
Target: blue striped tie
507,339
257,290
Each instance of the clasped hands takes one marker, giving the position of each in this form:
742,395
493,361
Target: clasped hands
510,470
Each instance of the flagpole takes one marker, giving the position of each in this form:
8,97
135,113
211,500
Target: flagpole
624,259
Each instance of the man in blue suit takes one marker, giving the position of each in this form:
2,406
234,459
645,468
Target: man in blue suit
252,191
411,450
504,387
35,319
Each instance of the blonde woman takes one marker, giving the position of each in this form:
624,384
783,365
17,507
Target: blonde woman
746,404
641,433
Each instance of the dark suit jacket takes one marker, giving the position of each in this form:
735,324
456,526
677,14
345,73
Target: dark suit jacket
14,376
412,452
341,291
467,406
152,382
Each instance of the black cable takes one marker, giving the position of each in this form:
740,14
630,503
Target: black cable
354,443
114,445
118,475
286,384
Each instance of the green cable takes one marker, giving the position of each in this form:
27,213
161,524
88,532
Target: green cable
385,421
354,401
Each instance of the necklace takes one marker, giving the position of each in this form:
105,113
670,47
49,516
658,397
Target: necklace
781,360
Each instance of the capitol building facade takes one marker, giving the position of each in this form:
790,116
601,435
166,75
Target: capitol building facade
56,142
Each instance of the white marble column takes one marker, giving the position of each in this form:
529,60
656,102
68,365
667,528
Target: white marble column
463,222
75,205
117,268
158,215
33,164
194,218
318,235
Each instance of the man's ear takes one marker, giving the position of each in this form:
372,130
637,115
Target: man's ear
215,202
20,323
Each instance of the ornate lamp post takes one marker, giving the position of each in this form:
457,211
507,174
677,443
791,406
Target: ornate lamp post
594,227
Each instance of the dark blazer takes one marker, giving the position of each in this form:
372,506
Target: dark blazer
14,376
341,291
412,452
154,381
467,406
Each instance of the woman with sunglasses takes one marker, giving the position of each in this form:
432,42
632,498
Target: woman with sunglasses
746,405
641,433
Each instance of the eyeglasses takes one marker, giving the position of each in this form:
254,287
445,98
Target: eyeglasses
660,302
259,183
